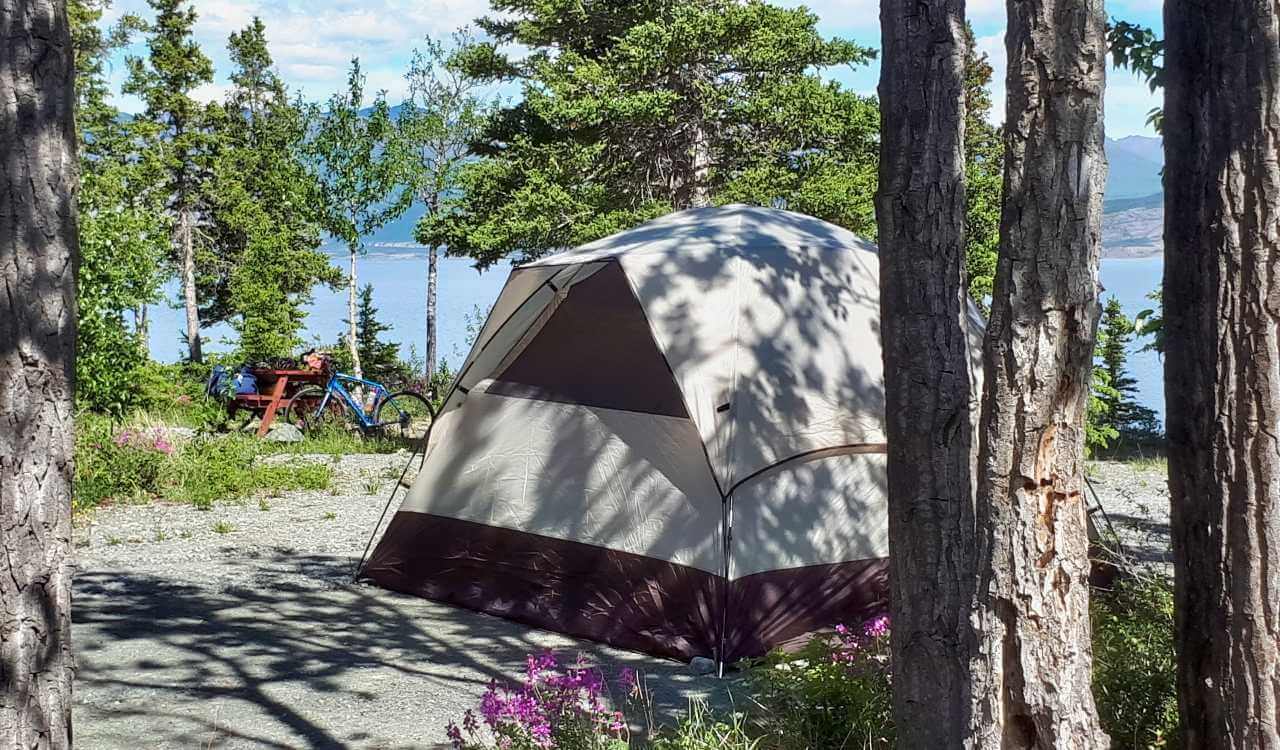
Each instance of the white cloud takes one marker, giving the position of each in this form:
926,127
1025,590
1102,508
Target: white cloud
993,47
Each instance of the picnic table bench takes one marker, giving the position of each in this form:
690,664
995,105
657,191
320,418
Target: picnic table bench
275,388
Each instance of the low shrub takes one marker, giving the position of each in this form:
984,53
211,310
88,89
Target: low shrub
224,468
833,693
554,706
115,464
700,729
1134,679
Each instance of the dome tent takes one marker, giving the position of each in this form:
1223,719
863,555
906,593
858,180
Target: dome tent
669,440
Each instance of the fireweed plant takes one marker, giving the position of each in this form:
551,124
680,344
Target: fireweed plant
832,693
553,706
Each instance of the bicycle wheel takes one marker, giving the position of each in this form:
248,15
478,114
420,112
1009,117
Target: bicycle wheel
404,416
303,411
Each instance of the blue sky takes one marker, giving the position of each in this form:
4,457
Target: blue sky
313,42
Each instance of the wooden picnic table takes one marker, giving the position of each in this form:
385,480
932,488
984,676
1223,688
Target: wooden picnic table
275,388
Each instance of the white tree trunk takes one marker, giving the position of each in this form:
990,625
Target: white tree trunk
352,286
38,246
186,239
433,274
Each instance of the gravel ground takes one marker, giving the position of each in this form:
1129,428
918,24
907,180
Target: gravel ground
239,627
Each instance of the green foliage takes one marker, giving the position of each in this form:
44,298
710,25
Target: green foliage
358,168
1134,678
138,464
631,110
265,208
123,230
380,359
1150,323
1122,414
356,172
984,174
835,692
1137,48
700,729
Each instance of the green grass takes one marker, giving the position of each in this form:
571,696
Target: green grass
223,527
206,469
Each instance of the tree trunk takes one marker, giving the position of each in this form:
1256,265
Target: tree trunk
924,318
352,349
1032,605
38,245
700,168
142,327
190,304
1222,364
433,280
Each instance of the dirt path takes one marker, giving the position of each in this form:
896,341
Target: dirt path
252,636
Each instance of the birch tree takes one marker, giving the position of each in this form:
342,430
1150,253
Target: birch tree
435,129
357,174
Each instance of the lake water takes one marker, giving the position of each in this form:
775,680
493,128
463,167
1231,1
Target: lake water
400,284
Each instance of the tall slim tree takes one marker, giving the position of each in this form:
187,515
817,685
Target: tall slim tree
924,315
124,234
37,370
357,174
435,127
174,67
1222,364
266,209
1034,656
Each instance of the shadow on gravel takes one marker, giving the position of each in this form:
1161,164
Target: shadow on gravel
299,656
1145,540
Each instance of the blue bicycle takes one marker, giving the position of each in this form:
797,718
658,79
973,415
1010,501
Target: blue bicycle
404,415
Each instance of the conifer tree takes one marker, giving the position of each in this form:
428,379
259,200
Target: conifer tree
124,235
265,201
1125,417
183,143
631,110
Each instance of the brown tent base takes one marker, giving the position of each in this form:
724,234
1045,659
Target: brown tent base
626,600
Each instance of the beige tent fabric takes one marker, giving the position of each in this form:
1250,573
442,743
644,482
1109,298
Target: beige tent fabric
771,314
769,322
627,481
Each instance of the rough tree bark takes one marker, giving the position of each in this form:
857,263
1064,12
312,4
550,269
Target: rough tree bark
186,239
433,285
1222,364
924,323
1034,656
38,246
352,349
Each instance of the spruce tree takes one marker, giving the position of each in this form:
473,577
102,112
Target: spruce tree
380,359
631,110
1127,418
265,205
183,143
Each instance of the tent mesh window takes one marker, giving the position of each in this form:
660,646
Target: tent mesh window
596,349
